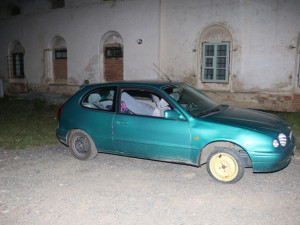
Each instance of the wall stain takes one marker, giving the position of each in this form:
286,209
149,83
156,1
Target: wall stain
282,85
73,81
191,80
90,69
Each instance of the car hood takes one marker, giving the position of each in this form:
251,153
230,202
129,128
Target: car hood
250,119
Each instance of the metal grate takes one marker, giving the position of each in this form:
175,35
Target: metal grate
15,65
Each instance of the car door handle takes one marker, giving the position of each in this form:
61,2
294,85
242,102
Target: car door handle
121,122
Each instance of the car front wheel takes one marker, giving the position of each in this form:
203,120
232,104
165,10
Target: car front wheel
225,166
82,145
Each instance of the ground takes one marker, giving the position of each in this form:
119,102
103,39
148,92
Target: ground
47,185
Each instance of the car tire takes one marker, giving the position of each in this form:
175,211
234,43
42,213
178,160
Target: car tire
225,165
82,145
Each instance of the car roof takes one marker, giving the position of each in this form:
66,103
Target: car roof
153,83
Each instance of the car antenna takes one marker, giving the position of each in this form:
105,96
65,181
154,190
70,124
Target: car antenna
162,73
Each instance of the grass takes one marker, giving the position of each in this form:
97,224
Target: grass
27,123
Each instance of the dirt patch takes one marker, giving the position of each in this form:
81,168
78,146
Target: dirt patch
49,186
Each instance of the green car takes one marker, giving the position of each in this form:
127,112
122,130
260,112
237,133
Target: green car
173,122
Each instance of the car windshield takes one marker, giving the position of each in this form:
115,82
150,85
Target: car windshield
192,101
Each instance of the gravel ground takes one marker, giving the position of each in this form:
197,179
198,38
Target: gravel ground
47,185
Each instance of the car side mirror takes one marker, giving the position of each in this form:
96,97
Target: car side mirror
172,114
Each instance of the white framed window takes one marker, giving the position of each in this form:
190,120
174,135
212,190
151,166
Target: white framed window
215,62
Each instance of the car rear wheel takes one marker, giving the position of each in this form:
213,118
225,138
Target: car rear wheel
82,145
225,166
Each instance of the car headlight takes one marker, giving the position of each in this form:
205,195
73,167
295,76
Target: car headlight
282,139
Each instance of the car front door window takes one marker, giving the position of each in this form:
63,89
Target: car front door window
143,103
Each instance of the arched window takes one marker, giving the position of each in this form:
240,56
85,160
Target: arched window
112,52
56,61
215,54
60,56
16,60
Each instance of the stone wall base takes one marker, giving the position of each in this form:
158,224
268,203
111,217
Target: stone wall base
263,101
15,87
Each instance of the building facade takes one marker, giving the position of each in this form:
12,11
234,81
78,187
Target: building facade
240,52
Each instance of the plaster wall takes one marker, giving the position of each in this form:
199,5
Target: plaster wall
270,34
264,45
82,24
263,50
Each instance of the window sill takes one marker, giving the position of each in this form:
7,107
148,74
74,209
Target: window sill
20,80
60,82
214,82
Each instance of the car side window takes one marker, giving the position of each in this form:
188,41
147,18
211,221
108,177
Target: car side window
141,102
101,99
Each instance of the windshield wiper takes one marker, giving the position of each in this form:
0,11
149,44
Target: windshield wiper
215,109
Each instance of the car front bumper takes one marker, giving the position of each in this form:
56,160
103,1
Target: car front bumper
270,162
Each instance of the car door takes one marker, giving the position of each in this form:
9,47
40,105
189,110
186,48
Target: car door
99,109
139,132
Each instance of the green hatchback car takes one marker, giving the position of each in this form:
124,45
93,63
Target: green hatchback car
170,121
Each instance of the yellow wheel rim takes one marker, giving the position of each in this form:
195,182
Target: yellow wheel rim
223,167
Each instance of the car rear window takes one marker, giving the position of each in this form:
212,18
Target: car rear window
100,99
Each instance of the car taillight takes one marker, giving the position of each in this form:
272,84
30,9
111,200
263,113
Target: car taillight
59,112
